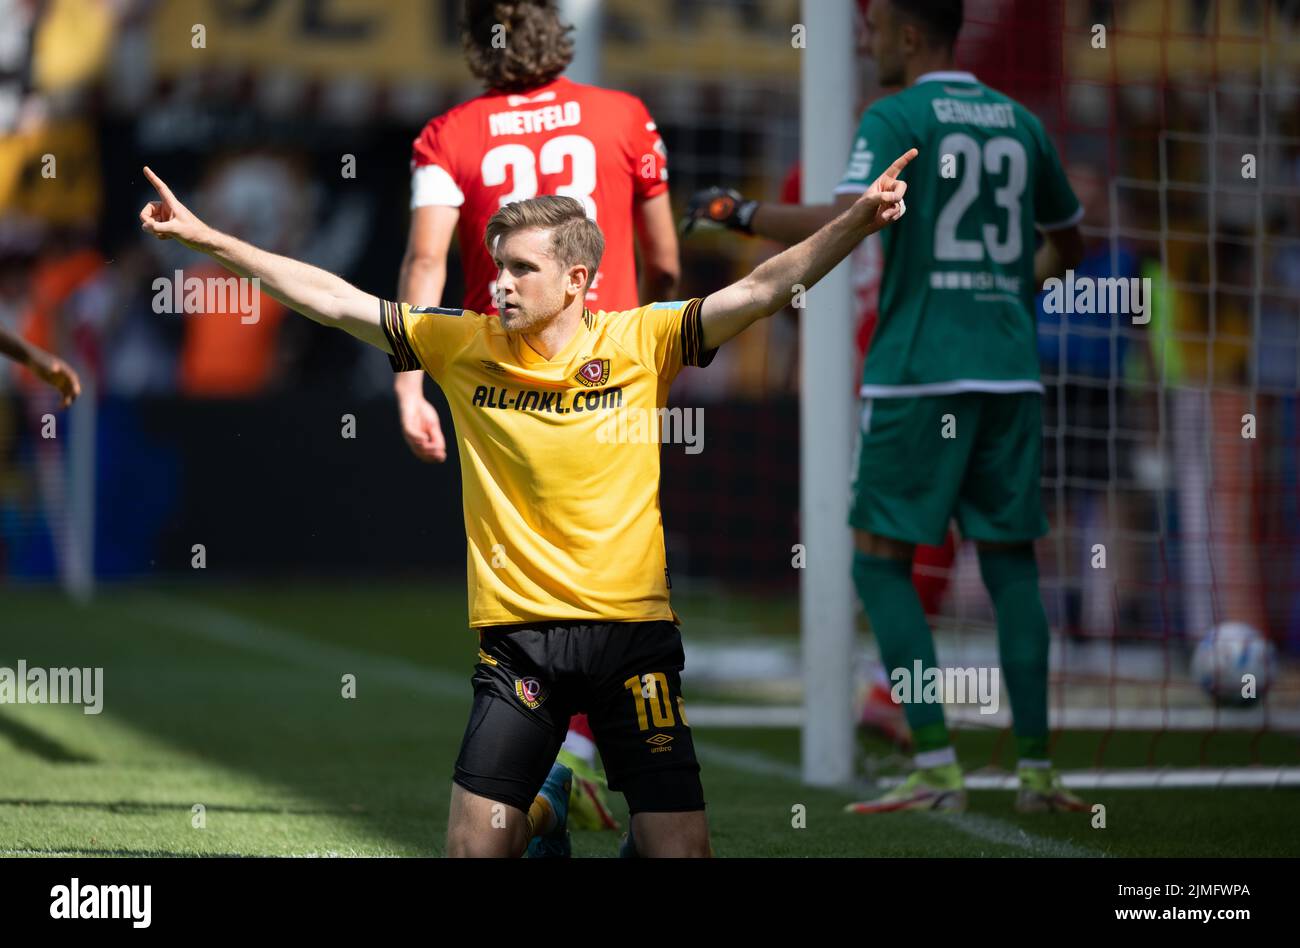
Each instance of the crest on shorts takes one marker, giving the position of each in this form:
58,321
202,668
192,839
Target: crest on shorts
593,372
530,692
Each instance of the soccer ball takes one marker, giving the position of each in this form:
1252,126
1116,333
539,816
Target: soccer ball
1228,652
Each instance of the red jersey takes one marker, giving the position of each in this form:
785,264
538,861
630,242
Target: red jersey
593,144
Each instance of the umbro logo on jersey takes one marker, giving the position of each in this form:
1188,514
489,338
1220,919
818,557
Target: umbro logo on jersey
594,372
495,367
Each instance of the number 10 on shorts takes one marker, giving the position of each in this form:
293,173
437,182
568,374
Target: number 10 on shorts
651,690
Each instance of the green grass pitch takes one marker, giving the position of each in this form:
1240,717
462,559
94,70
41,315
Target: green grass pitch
230,698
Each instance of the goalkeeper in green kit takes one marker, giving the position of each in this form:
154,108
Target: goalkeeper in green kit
952,403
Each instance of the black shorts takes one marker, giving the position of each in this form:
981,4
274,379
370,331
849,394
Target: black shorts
626,677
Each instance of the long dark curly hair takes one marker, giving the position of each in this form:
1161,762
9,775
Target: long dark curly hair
514,45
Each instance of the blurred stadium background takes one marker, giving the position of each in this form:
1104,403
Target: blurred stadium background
210,431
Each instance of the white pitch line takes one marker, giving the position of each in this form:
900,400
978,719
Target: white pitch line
993,830
1070,719
750,762
979,826
1141,719
1145,778
226,628
745,715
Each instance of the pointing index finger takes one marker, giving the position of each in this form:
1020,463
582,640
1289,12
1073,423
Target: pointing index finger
901,162
157,182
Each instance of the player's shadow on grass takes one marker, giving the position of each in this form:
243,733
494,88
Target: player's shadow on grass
240,705
34,742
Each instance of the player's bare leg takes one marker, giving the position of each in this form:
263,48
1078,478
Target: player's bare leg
478,827
671,835
481,828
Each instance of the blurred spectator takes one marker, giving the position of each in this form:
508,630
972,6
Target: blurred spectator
227,354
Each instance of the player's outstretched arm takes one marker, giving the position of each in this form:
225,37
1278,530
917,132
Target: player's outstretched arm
317,294
784,223
49,368
773,283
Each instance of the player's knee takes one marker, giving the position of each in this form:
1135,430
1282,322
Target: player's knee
693,848
468,843
672,835
480,828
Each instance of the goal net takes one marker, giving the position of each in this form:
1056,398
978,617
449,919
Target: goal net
1170,439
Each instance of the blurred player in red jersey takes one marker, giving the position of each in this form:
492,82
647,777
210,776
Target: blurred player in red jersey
534,132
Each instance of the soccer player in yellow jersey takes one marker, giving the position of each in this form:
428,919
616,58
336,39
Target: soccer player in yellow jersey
567,582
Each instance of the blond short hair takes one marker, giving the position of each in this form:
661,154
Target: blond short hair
575,238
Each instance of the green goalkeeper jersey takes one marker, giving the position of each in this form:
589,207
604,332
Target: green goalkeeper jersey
957,292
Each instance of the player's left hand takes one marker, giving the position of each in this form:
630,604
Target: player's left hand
58,373
883,201
169,218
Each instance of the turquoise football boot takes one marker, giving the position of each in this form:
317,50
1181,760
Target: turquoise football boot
555,844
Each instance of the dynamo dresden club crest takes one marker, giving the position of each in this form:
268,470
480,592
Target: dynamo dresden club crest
529,691
594,372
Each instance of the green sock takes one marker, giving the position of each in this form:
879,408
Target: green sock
903,635
1011,577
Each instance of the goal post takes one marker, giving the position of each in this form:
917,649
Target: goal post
826,412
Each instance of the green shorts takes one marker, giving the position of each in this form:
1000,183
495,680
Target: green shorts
976,456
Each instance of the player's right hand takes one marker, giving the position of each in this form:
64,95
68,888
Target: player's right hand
719,207
422,430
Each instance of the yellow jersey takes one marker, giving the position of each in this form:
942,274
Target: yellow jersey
559,457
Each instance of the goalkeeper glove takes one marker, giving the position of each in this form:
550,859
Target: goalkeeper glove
719,207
